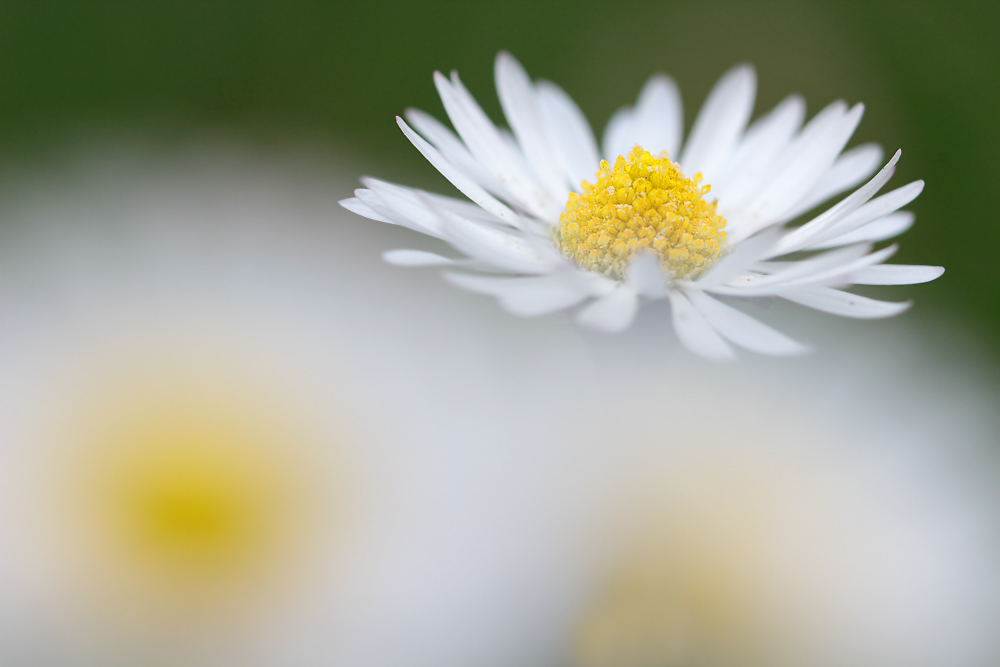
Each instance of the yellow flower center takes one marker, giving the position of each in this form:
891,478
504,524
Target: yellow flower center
642,204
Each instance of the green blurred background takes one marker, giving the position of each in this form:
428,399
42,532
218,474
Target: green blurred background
331,77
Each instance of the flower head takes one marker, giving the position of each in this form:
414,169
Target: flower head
696,225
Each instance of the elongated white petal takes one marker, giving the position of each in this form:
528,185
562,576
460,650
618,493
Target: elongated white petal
520,106
720,123
810,158
355,205
743,330
416,258
800,236
408,202
658,117
833,271
840,273
845,304
618,135
614,312
489,147
849,171
739,260
401,212
763,142
891,225
873,210
695,332
570,133
896,274
527,297
465,184
495,247
817,265
464,208
646,277
453,150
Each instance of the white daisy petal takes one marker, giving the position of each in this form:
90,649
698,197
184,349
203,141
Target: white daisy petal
845,304
466,209
465,184
646,277
886,227
417,206
798,238
850,170
840,273
739,260
527,297
618,135
416,258
401,212
743,330
355,205
453,150
493,246
695,332
814,266
658,117
764,141
612,313
519,101
487,144
808,158
572,138
873,210
656,122
720,123
896,274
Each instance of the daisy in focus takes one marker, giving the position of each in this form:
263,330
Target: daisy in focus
554,226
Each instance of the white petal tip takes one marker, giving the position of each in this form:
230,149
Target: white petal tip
415,258
612,313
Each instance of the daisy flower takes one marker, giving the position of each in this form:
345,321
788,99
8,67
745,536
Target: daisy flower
554,226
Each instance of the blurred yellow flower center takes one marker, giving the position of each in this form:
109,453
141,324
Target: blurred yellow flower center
642,204
191,503
191,481
661,614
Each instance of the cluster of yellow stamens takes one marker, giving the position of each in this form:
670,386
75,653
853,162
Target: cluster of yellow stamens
643,203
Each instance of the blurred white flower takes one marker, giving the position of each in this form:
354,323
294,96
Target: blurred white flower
574,229
218,449
841,512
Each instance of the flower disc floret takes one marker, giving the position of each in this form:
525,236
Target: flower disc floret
642,204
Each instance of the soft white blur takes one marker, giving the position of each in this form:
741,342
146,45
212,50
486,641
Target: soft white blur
839,512
162,313
229,434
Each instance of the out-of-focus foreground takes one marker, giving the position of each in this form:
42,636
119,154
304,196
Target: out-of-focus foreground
231,436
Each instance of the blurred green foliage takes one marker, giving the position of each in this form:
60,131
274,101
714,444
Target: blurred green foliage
335,74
